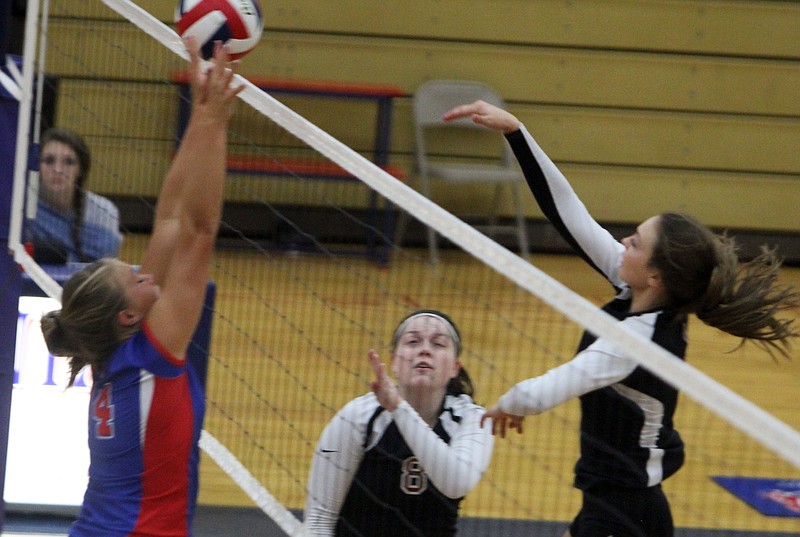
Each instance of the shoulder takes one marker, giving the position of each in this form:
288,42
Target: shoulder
461,406
659,321
461,418
642,322
352,421
100,202
142,351
102,216
360,409
462,401
653,325
97,204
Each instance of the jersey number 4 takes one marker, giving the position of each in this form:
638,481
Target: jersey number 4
103,413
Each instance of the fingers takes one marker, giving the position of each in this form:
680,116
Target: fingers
213,87
379,370
499,426
221,67
377,366
516,423
461,111
485,114
221,60
193,48
383,387
498,421
502,422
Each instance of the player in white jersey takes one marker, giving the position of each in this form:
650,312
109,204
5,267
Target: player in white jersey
399,460
670,267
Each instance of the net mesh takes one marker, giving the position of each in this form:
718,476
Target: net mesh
303,292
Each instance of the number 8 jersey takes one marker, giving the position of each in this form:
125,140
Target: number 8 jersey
390,474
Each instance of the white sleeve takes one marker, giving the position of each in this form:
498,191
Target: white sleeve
601,364
335,462
454,468
570,216
591,369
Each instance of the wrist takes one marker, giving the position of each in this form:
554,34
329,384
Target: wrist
394,404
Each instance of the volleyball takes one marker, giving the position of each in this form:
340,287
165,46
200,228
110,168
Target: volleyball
237,23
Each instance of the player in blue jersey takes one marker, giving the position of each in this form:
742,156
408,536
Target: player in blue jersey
71,224
670,267
399,460
133,327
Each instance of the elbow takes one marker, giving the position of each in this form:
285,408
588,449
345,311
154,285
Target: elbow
458,488
456,492
208,229
202,227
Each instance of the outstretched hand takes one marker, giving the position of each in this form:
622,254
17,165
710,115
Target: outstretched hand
501,421
485,114
212,92
383,386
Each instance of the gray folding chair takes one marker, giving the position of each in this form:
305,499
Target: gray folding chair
500,167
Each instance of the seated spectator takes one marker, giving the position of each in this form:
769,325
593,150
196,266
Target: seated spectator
71,224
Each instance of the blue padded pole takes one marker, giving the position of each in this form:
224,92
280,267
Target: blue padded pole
10,276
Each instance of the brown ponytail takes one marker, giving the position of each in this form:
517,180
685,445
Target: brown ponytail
702,274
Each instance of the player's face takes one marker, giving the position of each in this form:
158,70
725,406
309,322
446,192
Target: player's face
140,289
635,268
425,354
59,169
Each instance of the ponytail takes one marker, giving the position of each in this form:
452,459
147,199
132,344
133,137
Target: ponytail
747,300
461,384
702,274
85,329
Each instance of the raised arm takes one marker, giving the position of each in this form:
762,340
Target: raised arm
455,467
190,206
200,157
553,192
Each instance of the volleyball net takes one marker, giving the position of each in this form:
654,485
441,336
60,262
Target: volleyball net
309,277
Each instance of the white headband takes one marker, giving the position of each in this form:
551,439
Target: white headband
448,324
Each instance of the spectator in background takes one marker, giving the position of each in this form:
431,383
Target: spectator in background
71,224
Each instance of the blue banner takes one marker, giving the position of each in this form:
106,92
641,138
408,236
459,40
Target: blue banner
771,497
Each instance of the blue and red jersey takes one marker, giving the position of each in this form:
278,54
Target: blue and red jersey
145,417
